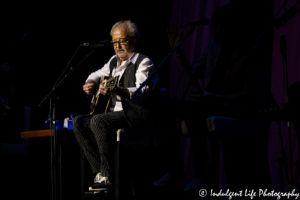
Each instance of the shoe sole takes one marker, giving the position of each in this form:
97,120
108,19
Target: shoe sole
93,193
98,189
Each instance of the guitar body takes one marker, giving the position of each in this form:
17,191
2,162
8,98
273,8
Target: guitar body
100,103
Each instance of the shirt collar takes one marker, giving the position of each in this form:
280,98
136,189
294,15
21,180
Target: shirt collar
132,59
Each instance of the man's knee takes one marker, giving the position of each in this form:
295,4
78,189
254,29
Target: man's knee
79,121
75,120
97,121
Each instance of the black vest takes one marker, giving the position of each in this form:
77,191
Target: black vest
128,77
136,111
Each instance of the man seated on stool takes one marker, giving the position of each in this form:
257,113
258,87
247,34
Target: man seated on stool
96,132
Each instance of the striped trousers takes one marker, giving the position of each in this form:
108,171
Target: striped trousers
96,135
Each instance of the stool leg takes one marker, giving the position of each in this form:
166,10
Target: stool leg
132,185
82,175
117,167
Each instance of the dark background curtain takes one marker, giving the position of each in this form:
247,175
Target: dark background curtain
261,14
280,82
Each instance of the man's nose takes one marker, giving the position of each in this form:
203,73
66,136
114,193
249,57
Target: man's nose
119,45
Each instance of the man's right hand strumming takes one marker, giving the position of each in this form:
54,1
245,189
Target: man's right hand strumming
89,87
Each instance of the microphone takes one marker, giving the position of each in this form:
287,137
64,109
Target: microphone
199,22
103,43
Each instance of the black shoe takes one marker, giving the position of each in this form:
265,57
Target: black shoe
103,192
100,186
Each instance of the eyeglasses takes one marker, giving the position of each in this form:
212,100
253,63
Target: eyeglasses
120,41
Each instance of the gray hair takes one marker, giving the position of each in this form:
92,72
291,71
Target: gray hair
132,30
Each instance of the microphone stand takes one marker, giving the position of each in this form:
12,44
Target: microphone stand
55,147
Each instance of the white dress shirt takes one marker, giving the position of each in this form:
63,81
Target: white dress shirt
141,74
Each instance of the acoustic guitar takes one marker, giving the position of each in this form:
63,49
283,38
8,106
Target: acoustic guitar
101,103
